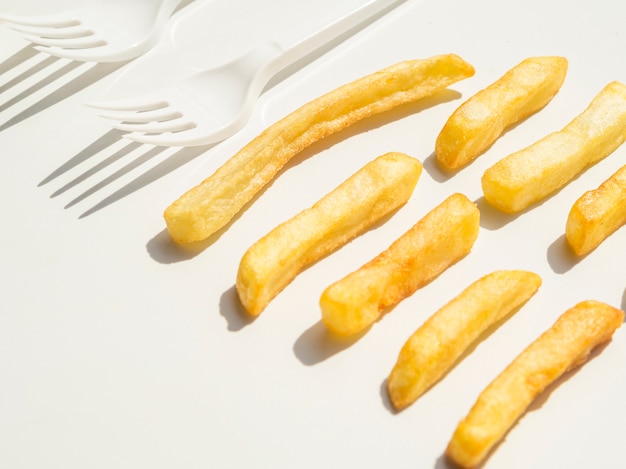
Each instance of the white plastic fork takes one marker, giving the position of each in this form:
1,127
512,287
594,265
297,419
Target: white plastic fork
99,31
211,105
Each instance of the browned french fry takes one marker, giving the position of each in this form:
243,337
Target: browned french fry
480,120
565,345
445,235
597,214
442,339
209,206
529,175
374,191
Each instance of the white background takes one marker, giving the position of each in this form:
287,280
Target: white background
120,350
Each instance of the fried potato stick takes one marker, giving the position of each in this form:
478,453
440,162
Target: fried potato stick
373,192
444,236
566,345
209,206
479,121
529,175
430,352
597,214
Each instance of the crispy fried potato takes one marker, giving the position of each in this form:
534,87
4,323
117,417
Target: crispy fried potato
565,345
377,189
479,121
208,207
444,337
597,214
529,175
445,235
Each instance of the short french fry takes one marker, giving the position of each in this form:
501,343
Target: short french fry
443,338
209,206
529,175
565,345
373,192
479,121
597,214
445,235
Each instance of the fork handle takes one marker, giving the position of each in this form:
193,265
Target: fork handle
297,45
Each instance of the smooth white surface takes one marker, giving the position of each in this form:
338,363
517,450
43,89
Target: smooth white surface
120,350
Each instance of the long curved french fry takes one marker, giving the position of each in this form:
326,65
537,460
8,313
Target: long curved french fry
597,214
480,120
209,206
564,346
529,175
442,339
442,237
374,191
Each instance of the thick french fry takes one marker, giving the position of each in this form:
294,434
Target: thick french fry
597,214
209,206
373,192
529,175
564,346
480,120
445,235
444,337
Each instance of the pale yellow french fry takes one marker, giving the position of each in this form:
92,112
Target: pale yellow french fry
529,175
480,120
376,190
597,214
445,336
565,345
444,236
209,206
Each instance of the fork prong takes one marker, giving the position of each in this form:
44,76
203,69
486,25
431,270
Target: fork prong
156,115
52,32
174,125
186,138
54,20
69,43
135,104
100,54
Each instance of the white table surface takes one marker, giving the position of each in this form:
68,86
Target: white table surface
120,350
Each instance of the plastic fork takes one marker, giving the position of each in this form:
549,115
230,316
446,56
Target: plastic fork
100,31
211,105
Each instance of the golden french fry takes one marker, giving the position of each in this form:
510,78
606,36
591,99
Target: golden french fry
445,235
529,175
441,340
209,206
479,121
565,345
597,214
377,189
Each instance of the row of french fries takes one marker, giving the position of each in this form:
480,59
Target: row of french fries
441,238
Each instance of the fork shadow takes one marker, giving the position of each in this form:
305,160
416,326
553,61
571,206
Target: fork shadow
137,155
52,74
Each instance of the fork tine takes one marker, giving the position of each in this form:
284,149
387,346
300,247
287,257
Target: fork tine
55,20
174,125
52,32
185,138
156,115
135,104
82,42
94,54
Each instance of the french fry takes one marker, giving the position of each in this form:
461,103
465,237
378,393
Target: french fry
430,352
445,235
209,206
597,214
565,345
529,175
373,192
479,121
